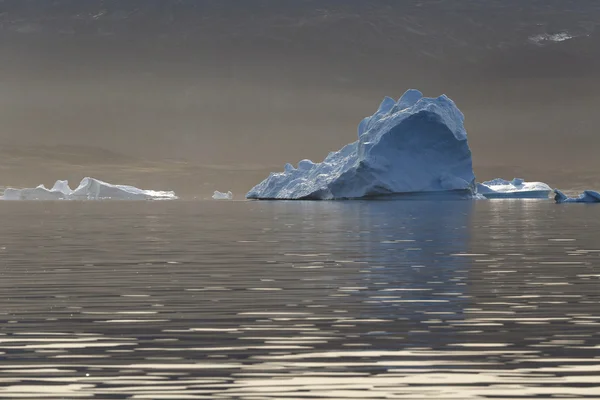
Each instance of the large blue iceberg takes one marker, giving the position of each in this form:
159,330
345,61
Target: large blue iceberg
588,196
516,189
417,145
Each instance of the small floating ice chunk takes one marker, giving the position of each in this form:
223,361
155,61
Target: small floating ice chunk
88,189
546,37
517,188
222,196
588,196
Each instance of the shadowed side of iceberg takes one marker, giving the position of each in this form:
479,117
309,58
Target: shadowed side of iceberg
415,145
588,196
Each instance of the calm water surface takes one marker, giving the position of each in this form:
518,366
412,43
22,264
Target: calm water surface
299,300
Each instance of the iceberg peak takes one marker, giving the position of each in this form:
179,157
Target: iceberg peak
386,105
409,98
305,165
62,186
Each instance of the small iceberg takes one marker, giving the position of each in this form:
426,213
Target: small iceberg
416,145
222,196
515,189
58,192
588,196
88,189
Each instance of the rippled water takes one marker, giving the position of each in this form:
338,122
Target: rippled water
299,300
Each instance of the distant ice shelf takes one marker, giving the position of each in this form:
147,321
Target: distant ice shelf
413,145
588,196
88,189
515,189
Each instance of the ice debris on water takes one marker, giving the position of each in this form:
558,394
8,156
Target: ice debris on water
222,196
88,189
517,188
588,196
554,37
413,145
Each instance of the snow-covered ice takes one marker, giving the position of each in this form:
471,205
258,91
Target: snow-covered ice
517,188
222,196
588,196
88,189
415,145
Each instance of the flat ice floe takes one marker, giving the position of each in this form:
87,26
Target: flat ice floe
588,196
517,189
222,196
88,189
416,145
